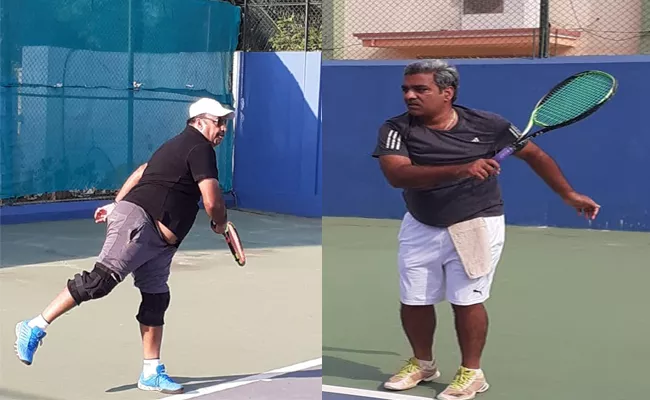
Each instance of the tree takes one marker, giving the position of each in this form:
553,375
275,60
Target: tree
290,35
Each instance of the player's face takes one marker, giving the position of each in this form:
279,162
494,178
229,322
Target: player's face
423,97
215,130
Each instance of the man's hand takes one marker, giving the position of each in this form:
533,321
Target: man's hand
548,170
217,228
583,204
481,169
102,212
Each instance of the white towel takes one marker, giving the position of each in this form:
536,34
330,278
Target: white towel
472,242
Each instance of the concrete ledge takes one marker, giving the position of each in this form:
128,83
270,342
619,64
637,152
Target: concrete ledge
61,211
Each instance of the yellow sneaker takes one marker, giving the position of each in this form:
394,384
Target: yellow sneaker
466,384
411,374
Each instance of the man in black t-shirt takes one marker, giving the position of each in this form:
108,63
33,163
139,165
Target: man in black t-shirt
151,216
452,235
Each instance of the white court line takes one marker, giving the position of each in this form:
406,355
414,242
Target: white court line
247,380
370,393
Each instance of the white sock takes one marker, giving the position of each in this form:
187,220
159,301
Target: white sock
38,321
149,367
425,364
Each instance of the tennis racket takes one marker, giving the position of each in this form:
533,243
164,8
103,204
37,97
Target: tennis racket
234,243
570,101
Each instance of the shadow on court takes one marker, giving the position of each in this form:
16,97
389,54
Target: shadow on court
359,351
202,382
189,383
335,366
350,370
42,242
6,394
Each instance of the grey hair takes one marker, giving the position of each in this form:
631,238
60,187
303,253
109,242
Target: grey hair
444,75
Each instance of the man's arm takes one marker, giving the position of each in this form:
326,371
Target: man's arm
400,172
213,201
203,167
546,168
131,182
540,162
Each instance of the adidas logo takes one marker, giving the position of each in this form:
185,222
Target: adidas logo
475,140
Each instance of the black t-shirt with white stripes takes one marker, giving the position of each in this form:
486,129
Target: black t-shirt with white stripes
478,134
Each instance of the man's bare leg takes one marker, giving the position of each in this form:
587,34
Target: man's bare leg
151,341
59,306
419,323
29,334
471,329
151,318
83,287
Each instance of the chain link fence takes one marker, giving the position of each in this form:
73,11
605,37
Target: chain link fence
90,88
281,25
603,27
408,29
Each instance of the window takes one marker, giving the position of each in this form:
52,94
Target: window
483,6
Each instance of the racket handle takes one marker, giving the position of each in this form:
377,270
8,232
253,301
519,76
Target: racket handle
504,153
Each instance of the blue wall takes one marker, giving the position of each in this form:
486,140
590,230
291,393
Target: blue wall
278,143
278,136
605,156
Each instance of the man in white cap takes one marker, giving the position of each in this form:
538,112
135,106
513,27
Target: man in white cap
152,214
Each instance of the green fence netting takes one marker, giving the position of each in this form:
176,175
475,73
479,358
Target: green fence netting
90,88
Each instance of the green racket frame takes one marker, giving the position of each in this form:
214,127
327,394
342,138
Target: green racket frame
524,137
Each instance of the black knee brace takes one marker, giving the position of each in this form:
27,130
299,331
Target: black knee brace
94,284
152,309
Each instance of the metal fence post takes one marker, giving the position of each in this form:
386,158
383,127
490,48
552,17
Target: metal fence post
543,28
245,26
131,86
306,25
7,116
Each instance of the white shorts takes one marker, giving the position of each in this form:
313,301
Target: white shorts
431,271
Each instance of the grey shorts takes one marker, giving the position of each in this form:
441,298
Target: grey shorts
134,246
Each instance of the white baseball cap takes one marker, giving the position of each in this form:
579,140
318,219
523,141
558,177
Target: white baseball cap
211,106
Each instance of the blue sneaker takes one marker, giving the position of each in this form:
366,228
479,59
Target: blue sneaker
27,341
161,382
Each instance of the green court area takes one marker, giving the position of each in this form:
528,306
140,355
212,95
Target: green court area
569,313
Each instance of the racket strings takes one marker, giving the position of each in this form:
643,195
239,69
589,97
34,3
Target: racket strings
573,99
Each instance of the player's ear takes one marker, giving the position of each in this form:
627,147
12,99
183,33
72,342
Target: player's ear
200,125
448,94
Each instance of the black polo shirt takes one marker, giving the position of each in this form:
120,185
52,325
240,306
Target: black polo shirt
169,190
478,134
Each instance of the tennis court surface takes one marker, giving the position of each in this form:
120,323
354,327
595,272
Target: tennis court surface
231,332
568,315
